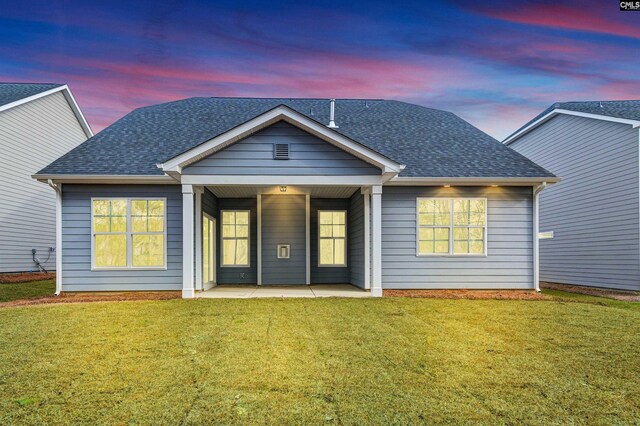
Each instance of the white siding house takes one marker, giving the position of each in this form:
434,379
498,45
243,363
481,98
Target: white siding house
38,123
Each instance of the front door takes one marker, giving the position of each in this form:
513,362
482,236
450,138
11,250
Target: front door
208,251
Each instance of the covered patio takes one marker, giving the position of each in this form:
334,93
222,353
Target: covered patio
227,291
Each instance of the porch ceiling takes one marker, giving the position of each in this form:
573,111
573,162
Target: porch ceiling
248,191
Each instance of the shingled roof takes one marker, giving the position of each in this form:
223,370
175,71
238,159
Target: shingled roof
12,92
430,142
629,110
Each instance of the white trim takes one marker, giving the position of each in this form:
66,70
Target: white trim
333,265
69,98
536,241
259,242
367,241
129,236
58,189
188,290
222,238
451,226
478,181
510,139
307,199
141,179
376,241
280,113
198,237
265,180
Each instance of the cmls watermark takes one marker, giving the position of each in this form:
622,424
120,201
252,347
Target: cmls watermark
630,5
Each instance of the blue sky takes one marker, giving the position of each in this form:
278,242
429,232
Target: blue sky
495,64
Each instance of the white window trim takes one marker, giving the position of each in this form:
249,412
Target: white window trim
451,226
334,265
214,222
222,238
129,234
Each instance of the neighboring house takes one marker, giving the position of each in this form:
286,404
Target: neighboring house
204,191
589,221
38,123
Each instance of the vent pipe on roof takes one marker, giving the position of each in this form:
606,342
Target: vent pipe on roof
332,115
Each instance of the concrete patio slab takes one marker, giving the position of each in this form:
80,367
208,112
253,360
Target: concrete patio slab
253,291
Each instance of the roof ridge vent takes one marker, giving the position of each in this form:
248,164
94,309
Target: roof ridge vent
332,115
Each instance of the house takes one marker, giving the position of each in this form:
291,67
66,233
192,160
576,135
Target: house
38,123
379,194
589,221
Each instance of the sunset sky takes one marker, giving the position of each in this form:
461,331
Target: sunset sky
494,63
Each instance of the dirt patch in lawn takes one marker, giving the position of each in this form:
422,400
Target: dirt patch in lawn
469,294
625,296
95,297
23,277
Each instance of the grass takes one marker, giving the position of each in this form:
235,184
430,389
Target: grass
27,290
321,361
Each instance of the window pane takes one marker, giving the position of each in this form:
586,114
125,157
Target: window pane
476,219
139,223
325,218
156,207
442,219
228,218
426,219
326,251
425,206
205,250
476,233
228,231
339,252
118,224
477,206
425,234
242,252
118,207
476,247
326,230
148,250
101,224
100,207
441,247
339,218
441,234
228,252
460,206
110,251
461,247
242,231
242,218
338,230
156,224
139,208
460,233
425,247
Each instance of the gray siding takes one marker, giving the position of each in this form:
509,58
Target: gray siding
235,275
327,275
309,155
509,263
594,210
355,243
76,240
284,222
210,203
32,135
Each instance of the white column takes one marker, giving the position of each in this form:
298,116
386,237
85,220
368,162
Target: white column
536,241
367,240
259,214
188,291
308,239
198,235
59,239
376,241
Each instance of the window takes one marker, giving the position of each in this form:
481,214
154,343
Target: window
208,249
451,226
235,238
128,233
332,238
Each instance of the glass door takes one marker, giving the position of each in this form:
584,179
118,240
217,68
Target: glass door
208,251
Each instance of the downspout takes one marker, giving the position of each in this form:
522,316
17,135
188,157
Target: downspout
58,189
536,230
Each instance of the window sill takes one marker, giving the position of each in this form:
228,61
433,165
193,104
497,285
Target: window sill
159,268
452,255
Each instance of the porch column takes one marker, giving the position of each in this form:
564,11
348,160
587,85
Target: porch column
376,241
198,191
188,291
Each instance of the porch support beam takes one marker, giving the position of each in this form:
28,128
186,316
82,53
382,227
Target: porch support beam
308,238
367,240
376,241
259,242
198,235
188,291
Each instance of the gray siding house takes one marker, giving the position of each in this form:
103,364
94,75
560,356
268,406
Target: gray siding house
590,221
379,194
38,123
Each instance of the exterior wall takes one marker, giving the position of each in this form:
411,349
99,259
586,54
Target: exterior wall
308,155
210,203
239,275
355,237
76,240
508,265
327,275
32,135
593,211
284,222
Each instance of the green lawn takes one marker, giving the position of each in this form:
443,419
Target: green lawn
28,290
321,361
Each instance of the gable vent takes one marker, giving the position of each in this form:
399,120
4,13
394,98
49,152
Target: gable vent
281,151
